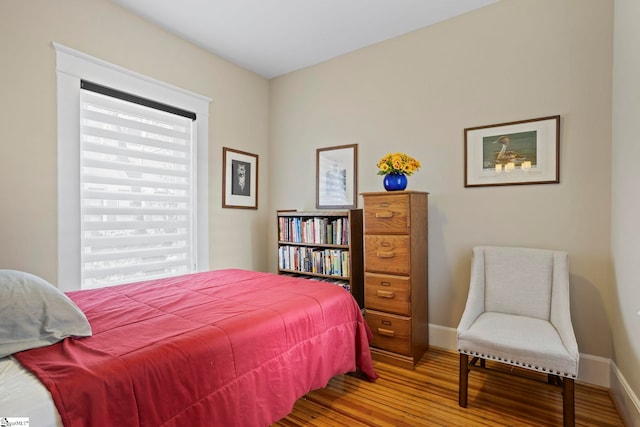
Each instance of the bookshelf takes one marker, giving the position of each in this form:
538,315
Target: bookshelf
324,246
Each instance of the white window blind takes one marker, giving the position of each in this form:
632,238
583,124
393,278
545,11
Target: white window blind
137,179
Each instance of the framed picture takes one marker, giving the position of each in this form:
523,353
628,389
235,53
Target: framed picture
239,179
523,152
336,177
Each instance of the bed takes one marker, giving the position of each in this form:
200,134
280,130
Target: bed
227,347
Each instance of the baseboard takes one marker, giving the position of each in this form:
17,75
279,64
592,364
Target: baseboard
443,337
625,399
594,370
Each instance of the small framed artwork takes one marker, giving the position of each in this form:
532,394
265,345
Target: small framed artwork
336,177
523,152
239,179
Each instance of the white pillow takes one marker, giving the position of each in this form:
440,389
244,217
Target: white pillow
34,313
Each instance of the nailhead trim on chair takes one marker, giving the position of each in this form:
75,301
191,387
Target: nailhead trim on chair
517,363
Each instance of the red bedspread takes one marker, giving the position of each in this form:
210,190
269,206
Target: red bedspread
222,348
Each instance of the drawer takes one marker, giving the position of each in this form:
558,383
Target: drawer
386,214
390,332
388,293
387,254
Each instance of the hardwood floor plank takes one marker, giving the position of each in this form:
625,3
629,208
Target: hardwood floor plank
428,396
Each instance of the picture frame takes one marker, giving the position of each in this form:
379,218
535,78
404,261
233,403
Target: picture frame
336,177
514,153
239,179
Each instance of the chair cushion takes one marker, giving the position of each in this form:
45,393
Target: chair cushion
518,281
521,341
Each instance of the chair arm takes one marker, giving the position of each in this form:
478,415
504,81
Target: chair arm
475,299
560,315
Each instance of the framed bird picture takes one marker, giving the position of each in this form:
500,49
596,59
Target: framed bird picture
522,152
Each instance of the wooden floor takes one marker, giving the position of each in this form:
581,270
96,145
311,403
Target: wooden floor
428,396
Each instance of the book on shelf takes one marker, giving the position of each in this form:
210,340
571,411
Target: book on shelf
330,262
342,283
338,282
316,230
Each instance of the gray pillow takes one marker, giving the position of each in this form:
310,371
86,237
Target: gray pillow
34,313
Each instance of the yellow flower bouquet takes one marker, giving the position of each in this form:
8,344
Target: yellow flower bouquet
398,163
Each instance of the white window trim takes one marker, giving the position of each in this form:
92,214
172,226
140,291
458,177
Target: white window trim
71,67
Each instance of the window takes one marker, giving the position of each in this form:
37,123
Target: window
135,190
132,177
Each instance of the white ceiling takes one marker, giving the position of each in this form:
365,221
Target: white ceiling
274,37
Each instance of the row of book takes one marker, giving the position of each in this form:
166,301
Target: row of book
331,262
318,230
338,282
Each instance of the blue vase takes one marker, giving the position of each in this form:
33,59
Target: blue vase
395,182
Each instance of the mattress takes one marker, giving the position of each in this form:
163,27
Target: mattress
22,395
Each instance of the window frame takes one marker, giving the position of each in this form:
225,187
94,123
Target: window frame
71,67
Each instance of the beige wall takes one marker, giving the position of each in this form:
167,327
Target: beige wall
238,119
416,93
625,201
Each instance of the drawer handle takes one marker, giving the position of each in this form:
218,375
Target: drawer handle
386,332
386,214
385,294
389,254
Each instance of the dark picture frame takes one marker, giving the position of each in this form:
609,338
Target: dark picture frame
337,177
514,153
239,179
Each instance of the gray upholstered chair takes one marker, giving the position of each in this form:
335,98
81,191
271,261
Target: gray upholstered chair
517,313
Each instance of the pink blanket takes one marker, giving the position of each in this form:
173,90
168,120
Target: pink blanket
222,348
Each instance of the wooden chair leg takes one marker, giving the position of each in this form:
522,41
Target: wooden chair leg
568,402
463,381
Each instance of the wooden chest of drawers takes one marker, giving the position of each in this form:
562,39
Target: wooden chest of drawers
396,275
